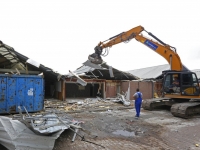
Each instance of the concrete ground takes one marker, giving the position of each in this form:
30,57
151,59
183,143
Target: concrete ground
114,127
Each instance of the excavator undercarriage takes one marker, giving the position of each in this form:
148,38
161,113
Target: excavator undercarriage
182,110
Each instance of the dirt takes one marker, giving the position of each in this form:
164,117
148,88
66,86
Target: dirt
118,129
112,126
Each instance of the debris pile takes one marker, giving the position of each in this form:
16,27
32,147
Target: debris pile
121,98
37,131
87,104
16,135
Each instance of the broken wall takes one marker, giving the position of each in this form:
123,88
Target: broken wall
76,91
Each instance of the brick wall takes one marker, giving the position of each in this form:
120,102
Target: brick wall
111,90
145,87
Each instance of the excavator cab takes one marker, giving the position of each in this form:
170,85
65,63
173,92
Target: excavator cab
177,84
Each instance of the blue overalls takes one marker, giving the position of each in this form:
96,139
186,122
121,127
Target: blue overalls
138,103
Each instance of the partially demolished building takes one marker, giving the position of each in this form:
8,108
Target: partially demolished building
99,81
105,81
23,90
89,80
14,63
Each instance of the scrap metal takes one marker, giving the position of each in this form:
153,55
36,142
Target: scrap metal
79,80
46,124
34,132
16,135
121,98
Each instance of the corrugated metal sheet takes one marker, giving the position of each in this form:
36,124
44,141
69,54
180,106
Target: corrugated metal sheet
14,135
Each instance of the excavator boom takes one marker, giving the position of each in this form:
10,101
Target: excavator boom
166,51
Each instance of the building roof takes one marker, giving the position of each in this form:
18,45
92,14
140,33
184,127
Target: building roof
10,60
152,72
103,71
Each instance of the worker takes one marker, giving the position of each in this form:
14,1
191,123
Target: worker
138,101
175,84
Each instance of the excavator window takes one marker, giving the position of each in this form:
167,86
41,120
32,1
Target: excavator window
189,84
186,79
172,83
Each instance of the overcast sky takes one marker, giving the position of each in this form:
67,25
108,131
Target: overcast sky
60,34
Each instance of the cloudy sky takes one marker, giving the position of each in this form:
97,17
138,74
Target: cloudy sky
60,34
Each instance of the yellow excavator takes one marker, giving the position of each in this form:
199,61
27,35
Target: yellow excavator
183,98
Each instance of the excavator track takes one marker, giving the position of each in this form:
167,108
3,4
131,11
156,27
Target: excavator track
151,104
186,109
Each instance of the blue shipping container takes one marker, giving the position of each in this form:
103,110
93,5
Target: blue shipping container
21,90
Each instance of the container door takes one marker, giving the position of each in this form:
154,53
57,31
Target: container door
3,82
38,94
11,97
21,93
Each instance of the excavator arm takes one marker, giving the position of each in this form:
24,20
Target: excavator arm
166,51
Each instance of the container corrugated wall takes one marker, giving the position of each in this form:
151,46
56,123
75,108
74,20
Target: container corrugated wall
21,90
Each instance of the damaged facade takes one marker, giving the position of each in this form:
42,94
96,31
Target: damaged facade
106,82
14,63
103,80
89,80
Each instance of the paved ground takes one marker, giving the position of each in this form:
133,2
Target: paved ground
118,129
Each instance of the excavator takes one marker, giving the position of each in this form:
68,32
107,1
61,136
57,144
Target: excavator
184,98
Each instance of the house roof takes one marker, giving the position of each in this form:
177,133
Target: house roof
103,71
11,59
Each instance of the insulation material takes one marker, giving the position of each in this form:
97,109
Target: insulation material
14,135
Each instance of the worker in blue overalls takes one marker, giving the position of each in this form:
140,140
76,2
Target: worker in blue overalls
138,101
